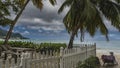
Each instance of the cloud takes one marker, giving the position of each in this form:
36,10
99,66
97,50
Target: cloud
48,21
40,31
48,13
112,35
15,31
50,28
25,33
56,31
33,18
47,18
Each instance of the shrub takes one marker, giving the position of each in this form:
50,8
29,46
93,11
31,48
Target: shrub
51,46
91,62
38,47
81,65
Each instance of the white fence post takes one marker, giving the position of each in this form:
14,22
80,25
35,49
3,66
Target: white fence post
7,63
23,63
12,63
61,57
28,63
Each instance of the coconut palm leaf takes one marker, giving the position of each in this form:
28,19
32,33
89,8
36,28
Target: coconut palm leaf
39,3
6,7
66,3
113,13
85,16
53,2
5,22
118,1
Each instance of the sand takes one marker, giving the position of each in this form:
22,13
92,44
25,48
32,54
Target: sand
105,52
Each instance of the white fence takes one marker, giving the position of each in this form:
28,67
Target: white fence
10,63
65,58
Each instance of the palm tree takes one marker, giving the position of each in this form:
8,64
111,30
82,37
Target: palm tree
37,3
13,24
86,16
4,12
5,8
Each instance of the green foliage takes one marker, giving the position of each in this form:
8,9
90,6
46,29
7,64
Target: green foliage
1,42
91,62
45,46
39,3
52,46
6,7
21,44
87,16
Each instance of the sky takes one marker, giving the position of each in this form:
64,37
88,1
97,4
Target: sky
47,24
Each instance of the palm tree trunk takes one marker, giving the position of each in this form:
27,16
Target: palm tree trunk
12,26
70,45
8,37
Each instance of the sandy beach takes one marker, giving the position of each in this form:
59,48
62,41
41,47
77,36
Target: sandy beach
106,52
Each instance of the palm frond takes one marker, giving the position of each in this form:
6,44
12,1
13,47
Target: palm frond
113,13
100,25
85,15
5,21
38,3
89,10
118,1
66,3
53,2
22,2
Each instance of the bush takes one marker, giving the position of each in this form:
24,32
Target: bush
50,46
83,65
38,47
91,62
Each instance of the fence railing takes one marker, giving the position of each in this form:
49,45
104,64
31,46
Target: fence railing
65,58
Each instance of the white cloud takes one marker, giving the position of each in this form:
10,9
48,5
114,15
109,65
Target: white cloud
15,31
40,31
25,33
37,20
47,19
56,31
47,28
112,35
56,22
23,28
52,28
33,27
